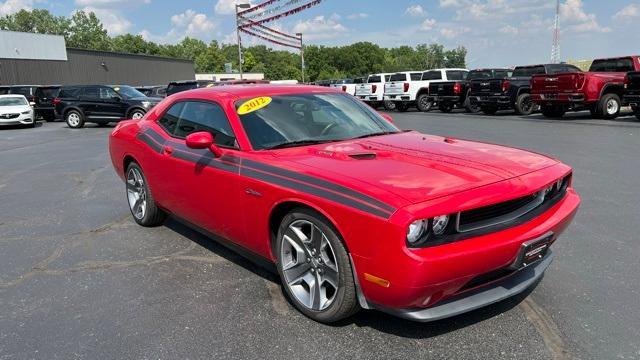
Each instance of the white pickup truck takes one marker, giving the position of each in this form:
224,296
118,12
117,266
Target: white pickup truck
411,88
372,91
348,85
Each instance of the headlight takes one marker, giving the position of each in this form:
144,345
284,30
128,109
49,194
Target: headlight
416,230
147,104
440,224
26,112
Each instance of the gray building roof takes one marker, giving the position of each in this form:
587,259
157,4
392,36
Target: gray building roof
21,45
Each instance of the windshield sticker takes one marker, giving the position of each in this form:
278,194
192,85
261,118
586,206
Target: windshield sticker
253,105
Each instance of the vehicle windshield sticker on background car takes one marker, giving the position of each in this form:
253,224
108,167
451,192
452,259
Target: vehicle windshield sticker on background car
254,104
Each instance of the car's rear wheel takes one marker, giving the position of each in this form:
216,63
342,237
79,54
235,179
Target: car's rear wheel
314,267
424,104
136,114
609,106
389,105
524,105
469,105
141,203
489,110
74,119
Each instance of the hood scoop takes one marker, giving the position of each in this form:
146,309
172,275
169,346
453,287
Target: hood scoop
363,156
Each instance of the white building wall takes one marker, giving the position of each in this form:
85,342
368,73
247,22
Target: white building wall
20,45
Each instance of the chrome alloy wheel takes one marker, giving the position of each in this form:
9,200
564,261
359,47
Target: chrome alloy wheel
612,107
136,193
73,119
309,265
137,115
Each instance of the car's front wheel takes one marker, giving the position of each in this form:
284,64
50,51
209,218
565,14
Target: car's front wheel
141,202
136,114
314,267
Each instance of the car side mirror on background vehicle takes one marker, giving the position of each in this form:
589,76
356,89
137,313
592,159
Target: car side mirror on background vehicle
387,117
203,140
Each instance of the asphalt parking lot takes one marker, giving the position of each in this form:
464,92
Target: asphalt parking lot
78,279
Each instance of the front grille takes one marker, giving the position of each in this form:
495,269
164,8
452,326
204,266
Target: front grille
493,211
9,116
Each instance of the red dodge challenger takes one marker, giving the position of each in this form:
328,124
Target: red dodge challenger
352,211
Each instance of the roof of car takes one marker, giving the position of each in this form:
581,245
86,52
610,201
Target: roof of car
12,95
254,90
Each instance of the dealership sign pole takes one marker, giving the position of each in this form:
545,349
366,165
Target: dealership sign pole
240,60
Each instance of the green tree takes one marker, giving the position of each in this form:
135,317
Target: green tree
87,32
211,60
39,21
134,44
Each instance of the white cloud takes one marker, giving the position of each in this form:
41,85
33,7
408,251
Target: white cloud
357,16
319,28
228,7
115,23
628,12
9,7
189,23
451,33
572,12
509,30
428,25
415,11
450,3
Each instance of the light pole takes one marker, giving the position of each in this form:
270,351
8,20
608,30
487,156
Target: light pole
238,7
301,54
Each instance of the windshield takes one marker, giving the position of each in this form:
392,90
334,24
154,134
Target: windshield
13,101
374,79
528,71
302,119
128,92
480,74
398,77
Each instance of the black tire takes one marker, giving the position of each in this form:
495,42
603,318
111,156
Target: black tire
423,103
553,111
401,107
445,107
134,112
469,105
153,215
606,107
389,105
489,110
524,105
71,120
345,302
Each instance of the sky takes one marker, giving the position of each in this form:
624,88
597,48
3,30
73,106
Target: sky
495,32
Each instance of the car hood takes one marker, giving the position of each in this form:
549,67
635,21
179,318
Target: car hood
14,109
414,166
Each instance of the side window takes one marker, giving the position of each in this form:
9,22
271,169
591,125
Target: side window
205,116
456,75
91,92
387,77
416,76
169,121
107,93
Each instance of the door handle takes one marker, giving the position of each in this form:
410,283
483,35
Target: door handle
167,150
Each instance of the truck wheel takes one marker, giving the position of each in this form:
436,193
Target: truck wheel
609,106
524,105
471,106
445,107
389,105
489,110
401,107
553,111
423,102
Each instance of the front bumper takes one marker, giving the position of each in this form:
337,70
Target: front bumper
500,290
23,119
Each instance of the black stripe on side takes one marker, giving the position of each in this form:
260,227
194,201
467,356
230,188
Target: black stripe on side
319,182
205,160
290,184
149,141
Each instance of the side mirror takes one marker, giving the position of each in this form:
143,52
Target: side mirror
387,117
203,140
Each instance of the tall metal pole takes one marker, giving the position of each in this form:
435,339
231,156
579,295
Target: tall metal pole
301,55
239,42
555,49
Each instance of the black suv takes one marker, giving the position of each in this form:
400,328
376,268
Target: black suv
513,92
179,86
41,96
158,91
101,104
4,89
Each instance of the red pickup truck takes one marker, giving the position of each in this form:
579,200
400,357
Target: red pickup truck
599,90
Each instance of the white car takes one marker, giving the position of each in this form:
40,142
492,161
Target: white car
348,85
411,88
372,92
16,110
